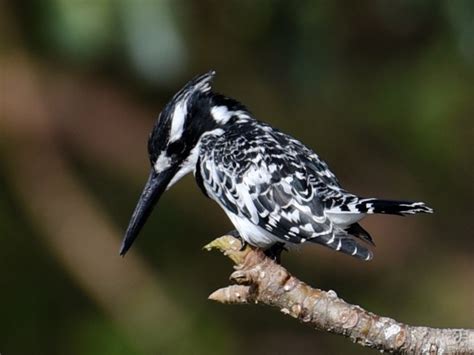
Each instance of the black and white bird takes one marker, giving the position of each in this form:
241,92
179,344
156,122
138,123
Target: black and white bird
274,189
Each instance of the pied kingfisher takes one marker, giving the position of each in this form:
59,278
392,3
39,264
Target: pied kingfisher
274,189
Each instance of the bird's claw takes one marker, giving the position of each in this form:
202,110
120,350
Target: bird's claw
274,252
235,233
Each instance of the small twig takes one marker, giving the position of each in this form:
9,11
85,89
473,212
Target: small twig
260,280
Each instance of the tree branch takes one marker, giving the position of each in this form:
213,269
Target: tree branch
260,280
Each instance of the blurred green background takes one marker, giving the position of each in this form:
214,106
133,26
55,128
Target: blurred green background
383,90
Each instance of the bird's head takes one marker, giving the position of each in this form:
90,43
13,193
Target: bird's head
173,143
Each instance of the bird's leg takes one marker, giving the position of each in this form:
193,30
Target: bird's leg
274,252
235,233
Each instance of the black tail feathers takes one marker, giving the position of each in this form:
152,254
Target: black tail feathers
346,244
345,240
357,231
401,208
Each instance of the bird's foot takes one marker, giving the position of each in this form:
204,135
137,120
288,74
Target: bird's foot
235,233
274,252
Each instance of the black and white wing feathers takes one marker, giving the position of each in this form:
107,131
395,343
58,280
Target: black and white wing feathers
278,184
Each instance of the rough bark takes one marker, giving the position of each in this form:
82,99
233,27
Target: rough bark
258,279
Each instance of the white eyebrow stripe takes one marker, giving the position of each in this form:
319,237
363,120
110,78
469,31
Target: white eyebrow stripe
177,121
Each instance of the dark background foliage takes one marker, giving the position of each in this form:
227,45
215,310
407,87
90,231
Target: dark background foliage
383,90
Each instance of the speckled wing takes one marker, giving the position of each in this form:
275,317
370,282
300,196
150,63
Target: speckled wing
266,177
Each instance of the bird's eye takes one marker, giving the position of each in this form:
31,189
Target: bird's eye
176,148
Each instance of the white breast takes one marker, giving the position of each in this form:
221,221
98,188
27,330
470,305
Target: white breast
251,233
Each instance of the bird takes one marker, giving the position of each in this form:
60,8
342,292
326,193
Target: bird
275,190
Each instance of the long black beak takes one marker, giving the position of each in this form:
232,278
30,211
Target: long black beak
154,188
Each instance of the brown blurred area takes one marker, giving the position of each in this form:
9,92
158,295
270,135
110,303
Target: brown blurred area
382,90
